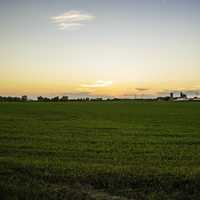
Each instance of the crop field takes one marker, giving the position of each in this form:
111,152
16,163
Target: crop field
100,150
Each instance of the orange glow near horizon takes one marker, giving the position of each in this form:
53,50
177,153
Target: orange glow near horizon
120,49
122,90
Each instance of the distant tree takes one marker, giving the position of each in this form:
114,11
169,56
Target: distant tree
43,99
12,99
98,99
116,99
64,98
40,98
55,99
24,98
46,99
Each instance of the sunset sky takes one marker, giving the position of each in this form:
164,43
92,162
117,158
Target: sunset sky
115,48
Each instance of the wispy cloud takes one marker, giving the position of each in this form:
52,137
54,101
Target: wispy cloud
142,89
72,19
98,84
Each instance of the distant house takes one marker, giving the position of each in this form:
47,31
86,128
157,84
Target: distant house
183,97
196,99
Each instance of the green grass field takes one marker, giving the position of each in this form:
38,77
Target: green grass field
100,150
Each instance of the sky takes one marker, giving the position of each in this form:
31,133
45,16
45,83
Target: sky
117,48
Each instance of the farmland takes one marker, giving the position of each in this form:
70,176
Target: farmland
100,150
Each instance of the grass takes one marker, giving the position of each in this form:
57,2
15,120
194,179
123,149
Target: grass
100,150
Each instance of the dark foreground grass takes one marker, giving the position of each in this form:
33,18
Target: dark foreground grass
100,150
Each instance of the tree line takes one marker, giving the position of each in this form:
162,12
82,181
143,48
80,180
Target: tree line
48,99
14,99
66,98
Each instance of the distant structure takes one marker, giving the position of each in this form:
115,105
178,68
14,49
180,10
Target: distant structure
171,95
196,99
182,97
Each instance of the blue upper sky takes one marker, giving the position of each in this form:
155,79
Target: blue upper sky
80,43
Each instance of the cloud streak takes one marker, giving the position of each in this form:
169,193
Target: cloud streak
71,20
142,89
98,84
